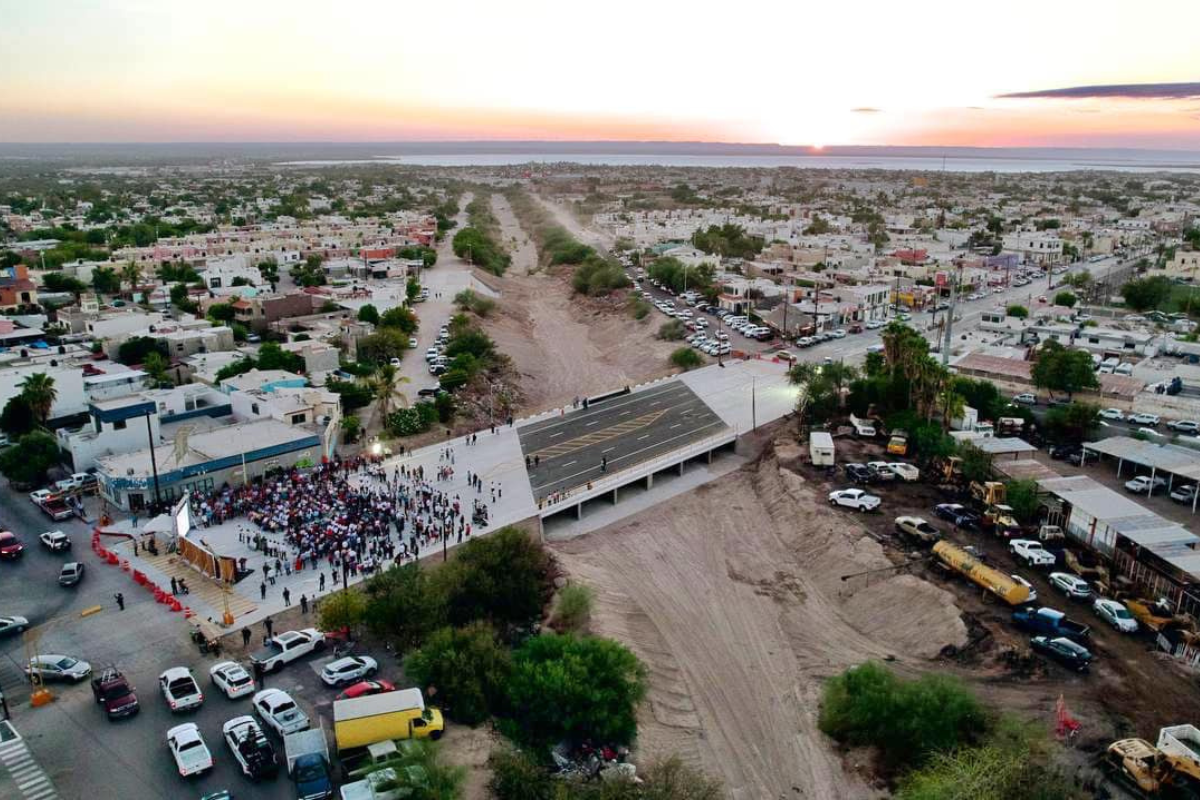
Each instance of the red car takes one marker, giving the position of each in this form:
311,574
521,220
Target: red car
365,688
10,545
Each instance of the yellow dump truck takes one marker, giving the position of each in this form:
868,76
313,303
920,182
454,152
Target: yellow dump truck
363,721
992,580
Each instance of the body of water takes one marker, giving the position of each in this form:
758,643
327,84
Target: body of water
905,163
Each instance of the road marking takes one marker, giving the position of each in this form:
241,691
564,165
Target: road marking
647,436
590,424
623,413
609,450
676,425
569,463
560,433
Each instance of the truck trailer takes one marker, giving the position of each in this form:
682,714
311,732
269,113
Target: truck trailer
362,721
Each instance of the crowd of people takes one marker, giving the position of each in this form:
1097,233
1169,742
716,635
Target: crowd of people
350,515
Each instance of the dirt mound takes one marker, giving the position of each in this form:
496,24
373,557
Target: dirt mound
733,597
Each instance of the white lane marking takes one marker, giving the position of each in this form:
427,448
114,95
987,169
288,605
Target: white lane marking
590,424
560,433
647,436
609,450
569,463
676,425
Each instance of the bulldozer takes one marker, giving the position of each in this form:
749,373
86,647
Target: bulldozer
1150,771
1086,565
988,493
950,470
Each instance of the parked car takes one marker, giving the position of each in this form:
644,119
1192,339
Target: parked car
1026,399
1061,452
348,670
12,625
1143,419
854,498
1072,586
232,679
918,529
187,746
859,473
180,689
1184,494
1144,484
56,541
279,711
881,471
366,688
1064,651
960,515
250,747
1114,414
1116,614
905,472
70,574
54,667
1032,553
1184,426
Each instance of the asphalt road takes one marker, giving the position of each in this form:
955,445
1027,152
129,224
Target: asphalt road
83,753
627,430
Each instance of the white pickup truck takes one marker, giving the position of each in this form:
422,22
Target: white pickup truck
287,647
862,427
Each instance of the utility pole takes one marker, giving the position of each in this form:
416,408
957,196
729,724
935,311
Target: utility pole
950,317
153,465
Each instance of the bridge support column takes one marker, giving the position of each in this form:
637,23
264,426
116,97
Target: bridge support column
681,469
579,511
615,497
650,481
710,457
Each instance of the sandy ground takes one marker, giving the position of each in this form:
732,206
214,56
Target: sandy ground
470,748
564,346
731,594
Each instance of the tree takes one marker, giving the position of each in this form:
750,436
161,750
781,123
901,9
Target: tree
369,314
1144,294
1067,299
1072,423
222,313
403,605
575,688
134,351
58,282
18,417
574,607
1023,497
234,369
344,609
272,356
469,668
351,427
504,578
39,392
156,367
671,331
384,387
976,464
30,459
401,318
820,389
382,346
105,280
1018,311
1078,280
412,288
1058,369
686,358
131,274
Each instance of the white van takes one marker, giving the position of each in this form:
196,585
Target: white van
1124,368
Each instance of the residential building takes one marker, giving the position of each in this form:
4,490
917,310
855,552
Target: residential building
1035,247
16,288
258,312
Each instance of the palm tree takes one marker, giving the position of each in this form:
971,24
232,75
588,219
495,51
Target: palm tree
953,405
131,273
384,388
38,390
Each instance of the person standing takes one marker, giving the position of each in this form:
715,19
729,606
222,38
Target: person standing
322,583
262,590
174,587
304,604
120,598
245,638
269,625
287,598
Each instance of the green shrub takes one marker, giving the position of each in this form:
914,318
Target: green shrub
504,578
468,666
906,720
639,308
686,358
671,331
574,607
470,300
575,688
402,605
596,276
517,776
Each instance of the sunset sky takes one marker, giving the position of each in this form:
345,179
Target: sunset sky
1105,73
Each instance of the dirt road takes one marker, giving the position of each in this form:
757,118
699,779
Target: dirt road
732,596
562,346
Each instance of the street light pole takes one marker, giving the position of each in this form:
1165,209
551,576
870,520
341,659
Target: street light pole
153,464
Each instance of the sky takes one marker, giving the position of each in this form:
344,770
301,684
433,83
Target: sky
1062,73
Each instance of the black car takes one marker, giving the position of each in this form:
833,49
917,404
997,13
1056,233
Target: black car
1063,452
949,511
430,391
1064,651
968,520
859,473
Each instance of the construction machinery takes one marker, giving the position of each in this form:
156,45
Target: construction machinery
956,559
1000,520
988,493
1168,771
1086,565
950,470
1157,614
